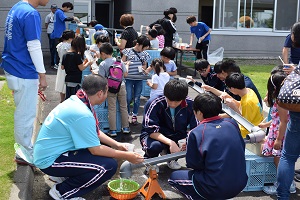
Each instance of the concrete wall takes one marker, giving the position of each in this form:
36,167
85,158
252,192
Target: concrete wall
146,12
248,45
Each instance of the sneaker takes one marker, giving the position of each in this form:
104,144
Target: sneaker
271,189
77,198
134,120
153,167
293,188
57,179
55,66
112,133
21,161
126,130
297,171
173,164
54,193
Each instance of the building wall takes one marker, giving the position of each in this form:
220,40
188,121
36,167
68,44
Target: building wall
248,45
146,12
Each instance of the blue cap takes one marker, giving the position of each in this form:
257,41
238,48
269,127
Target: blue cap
98,27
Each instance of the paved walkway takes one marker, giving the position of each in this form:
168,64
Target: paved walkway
32,184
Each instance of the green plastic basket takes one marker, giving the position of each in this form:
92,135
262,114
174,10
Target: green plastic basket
129,190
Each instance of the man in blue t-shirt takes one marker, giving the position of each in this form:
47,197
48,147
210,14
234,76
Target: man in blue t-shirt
22,61
202,32
71,147
60,22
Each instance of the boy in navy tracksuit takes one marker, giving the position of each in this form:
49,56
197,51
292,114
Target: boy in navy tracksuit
166,119
215,154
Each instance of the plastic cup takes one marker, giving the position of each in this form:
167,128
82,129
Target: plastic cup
130,147
181,142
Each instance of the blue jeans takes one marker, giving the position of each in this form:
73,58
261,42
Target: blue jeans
289,155
53,51
134,88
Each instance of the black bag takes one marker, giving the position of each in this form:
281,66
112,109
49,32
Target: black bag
289,95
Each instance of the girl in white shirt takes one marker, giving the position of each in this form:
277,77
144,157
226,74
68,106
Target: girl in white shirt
159,79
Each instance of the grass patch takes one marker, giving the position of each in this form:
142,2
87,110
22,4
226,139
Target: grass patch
2,78
7,165
259,74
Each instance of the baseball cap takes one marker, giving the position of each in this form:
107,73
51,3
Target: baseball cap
98,27
54,6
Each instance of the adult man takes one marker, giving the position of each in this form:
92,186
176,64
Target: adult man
22,61
68,144
49,24
59,22
215,155
166,119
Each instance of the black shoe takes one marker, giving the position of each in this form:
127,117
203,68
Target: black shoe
297,177
297,171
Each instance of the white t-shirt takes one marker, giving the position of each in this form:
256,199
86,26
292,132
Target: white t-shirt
161,80
154,43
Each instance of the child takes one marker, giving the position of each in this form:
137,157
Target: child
106,51
159,79
134,81
202,32
249,106
274,141
208,75
168,55
99,31
160,35
72,62
62,48
166,120
213,173
152,34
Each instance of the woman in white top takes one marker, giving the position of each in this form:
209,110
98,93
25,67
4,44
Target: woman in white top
62,48
159,79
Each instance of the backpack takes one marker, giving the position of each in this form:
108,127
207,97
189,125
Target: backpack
115,77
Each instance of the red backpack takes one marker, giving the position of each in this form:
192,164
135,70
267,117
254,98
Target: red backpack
115,77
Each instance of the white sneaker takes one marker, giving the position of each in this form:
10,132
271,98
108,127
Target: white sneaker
56,179
173,164
54,193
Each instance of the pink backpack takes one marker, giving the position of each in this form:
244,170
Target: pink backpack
115,77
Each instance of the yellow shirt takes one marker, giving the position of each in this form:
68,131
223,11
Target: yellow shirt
251,110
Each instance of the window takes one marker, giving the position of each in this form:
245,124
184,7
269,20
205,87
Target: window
264,15
286,14
256,13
